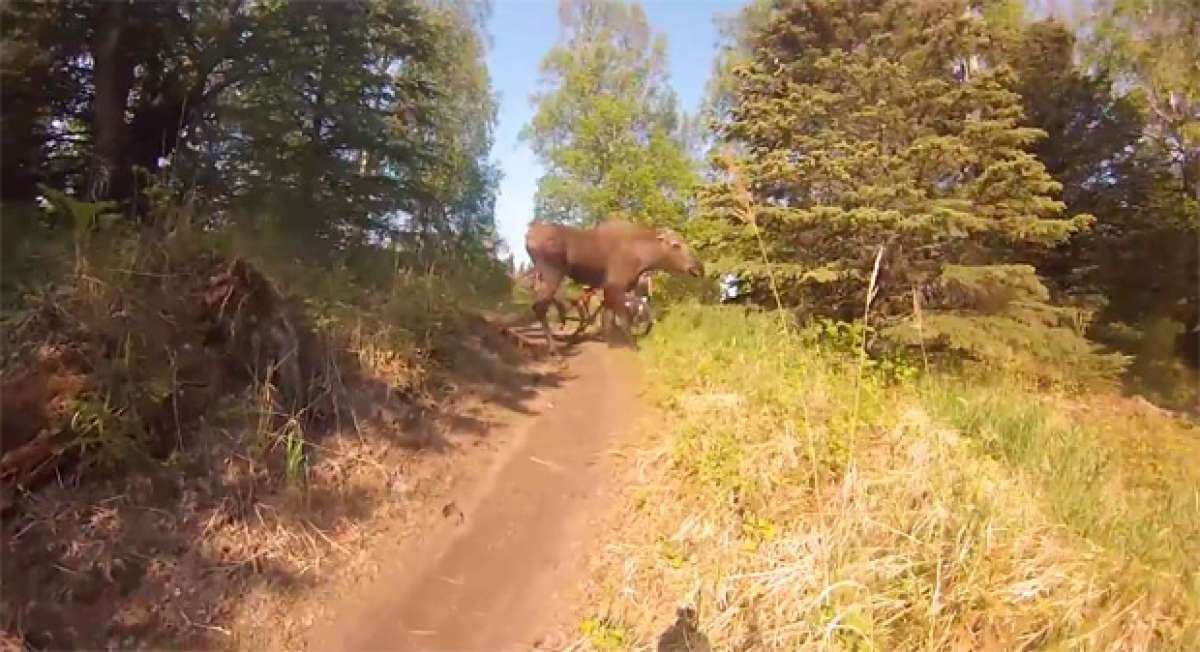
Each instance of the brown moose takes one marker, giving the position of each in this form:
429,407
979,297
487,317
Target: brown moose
612,256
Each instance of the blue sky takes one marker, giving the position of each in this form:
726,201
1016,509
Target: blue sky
523,31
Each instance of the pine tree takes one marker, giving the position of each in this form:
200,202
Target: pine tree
873,123
1152,46
1140,252
1139,264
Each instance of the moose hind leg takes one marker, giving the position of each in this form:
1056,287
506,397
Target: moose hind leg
544,292
540,308
618,322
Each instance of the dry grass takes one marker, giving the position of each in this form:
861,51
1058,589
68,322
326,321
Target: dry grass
213,531
219,546
759,507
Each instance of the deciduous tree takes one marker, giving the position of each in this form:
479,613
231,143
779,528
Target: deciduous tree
606,126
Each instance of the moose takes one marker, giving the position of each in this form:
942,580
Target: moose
612,256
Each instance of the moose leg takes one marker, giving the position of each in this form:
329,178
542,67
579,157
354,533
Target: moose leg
618,319
554,300
545,288
560,307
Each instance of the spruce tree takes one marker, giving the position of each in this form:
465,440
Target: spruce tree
876,123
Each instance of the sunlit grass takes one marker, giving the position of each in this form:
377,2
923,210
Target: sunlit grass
946,513
1122,481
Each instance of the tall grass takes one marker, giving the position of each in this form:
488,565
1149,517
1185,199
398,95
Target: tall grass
125,317
966,514
1120,480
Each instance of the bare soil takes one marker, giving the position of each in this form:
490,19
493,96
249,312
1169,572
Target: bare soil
454,519
217,547
502,570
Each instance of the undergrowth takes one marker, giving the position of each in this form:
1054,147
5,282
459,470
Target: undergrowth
118,334
962,510
172,400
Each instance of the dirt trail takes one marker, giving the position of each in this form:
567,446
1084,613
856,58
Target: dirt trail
501,571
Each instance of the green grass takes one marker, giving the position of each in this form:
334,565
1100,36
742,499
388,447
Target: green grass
800,504
1122,485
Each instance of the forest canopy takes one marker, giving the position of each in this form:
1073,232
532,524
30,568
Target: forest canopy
326,122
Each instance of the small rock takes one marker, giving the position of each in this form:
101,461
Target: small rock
451,509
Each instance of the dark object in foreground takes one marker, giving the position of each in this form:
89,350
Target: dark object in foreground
612,256
684,635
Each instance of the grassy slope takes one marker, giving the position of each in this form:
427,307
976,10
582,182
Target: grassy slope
146,541
797,508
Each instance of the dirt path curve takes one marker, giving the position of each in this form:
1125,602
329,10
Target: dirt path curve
502,570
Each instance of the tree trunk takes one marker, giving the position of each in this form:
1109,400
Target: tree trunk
111,176
1190,169
23,136
310,195
156,127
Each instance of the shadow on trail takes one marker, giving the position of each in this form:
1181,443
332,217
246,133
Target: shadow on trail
492,371
161,553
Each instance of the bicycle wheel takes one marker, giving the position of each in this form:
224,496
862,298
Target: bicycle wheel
642,319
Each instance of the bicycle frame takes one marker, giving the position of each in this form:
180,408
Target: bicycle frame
639,311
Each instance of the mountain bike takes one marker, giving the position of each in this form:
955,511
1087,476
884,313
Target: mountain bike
641,315
583,311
